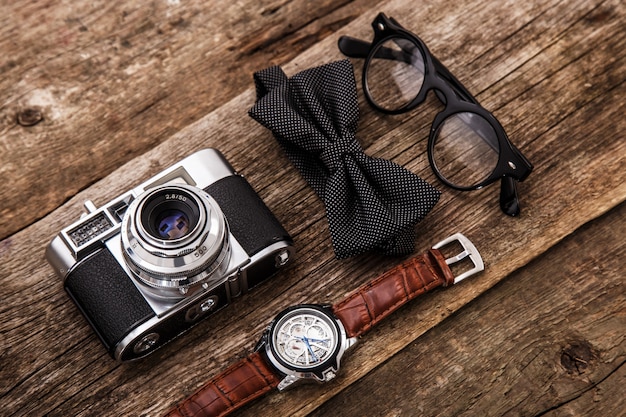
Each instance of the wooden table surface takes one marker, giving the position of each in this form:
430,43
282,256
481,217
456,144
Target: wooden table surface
98,96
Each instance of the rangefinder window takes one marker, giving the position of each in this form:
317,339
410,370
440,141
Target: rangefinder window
87,231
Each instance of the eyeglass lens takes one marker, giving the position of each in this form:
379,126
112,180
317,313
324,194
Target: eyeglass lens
395,74
466,146
463,153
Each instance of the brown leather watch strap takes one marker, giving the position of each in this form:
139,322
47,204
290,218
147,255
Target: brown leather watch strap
239,384
371,303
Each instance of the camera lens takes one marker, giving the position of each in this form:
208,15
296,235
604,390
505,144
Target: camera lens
174,239
170,214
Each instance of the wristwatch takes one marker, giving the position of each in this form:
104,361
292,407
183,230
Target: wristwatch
306,342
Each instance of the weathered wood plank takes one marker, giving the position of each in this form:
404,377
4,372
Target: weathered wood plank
546,341
560,95
111,80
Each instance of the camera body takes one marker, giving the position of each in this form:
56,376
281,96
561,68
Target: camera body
153,262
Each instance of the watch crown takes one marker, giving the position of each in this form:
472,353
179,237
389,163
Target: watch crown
261,343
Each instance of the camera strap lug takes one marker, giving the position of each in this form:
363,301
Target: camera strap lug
234,284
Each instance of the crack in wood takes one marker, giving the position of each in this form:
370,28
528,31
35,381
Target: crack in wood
592,386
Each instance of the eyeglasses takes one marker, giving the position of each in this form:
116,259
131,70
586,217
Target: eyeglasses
467,147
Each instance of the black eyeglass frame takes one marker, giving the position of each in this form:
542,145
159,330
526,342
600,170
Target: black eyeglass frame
512,166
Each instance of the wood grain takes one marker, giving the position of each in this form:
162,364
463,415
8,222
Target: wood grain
112,79
112,83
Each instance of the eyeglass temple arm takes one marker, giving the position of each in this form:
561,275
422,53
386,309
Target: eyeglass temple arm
458,87
509,199
357,48
353,47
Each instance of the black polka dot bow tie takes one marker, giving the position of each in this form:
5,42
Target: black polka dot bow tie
370,203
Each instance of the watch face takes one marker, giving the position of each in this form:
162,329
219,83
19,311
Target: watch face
304,338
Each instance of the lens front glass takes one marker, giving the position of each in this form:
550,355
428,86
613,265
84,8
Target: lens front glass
172,224
170,214
395,73
466,149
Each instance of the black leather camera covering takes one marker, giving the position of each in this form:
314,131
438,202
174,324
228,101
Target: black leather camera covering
253,224
107,297
176,324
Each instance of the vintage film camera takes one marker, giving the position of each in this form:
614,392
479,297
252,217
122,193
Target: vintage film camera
150,264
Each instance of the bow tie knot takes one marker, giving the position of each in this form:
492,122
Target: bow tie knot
370,203
334,154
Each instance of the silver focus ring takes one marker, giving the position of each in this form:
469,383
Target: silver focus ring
186,277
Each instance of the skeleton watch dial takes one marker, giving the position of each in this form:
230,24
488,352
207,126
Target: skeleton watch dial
305,338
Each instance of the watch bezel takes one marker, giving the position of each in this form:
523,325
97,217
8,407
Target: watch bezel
326,370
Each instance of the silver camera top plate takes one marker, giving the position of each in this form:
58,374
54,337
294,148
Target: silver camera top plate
82,237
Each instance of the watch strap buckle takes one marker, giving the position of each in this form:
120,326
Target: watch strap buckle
469,251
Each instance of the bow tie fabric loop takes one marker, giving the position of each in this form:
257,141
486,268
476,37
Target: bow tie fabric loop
370,203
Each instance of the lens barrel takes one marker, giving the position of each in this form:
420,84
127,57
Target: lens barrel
174,239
